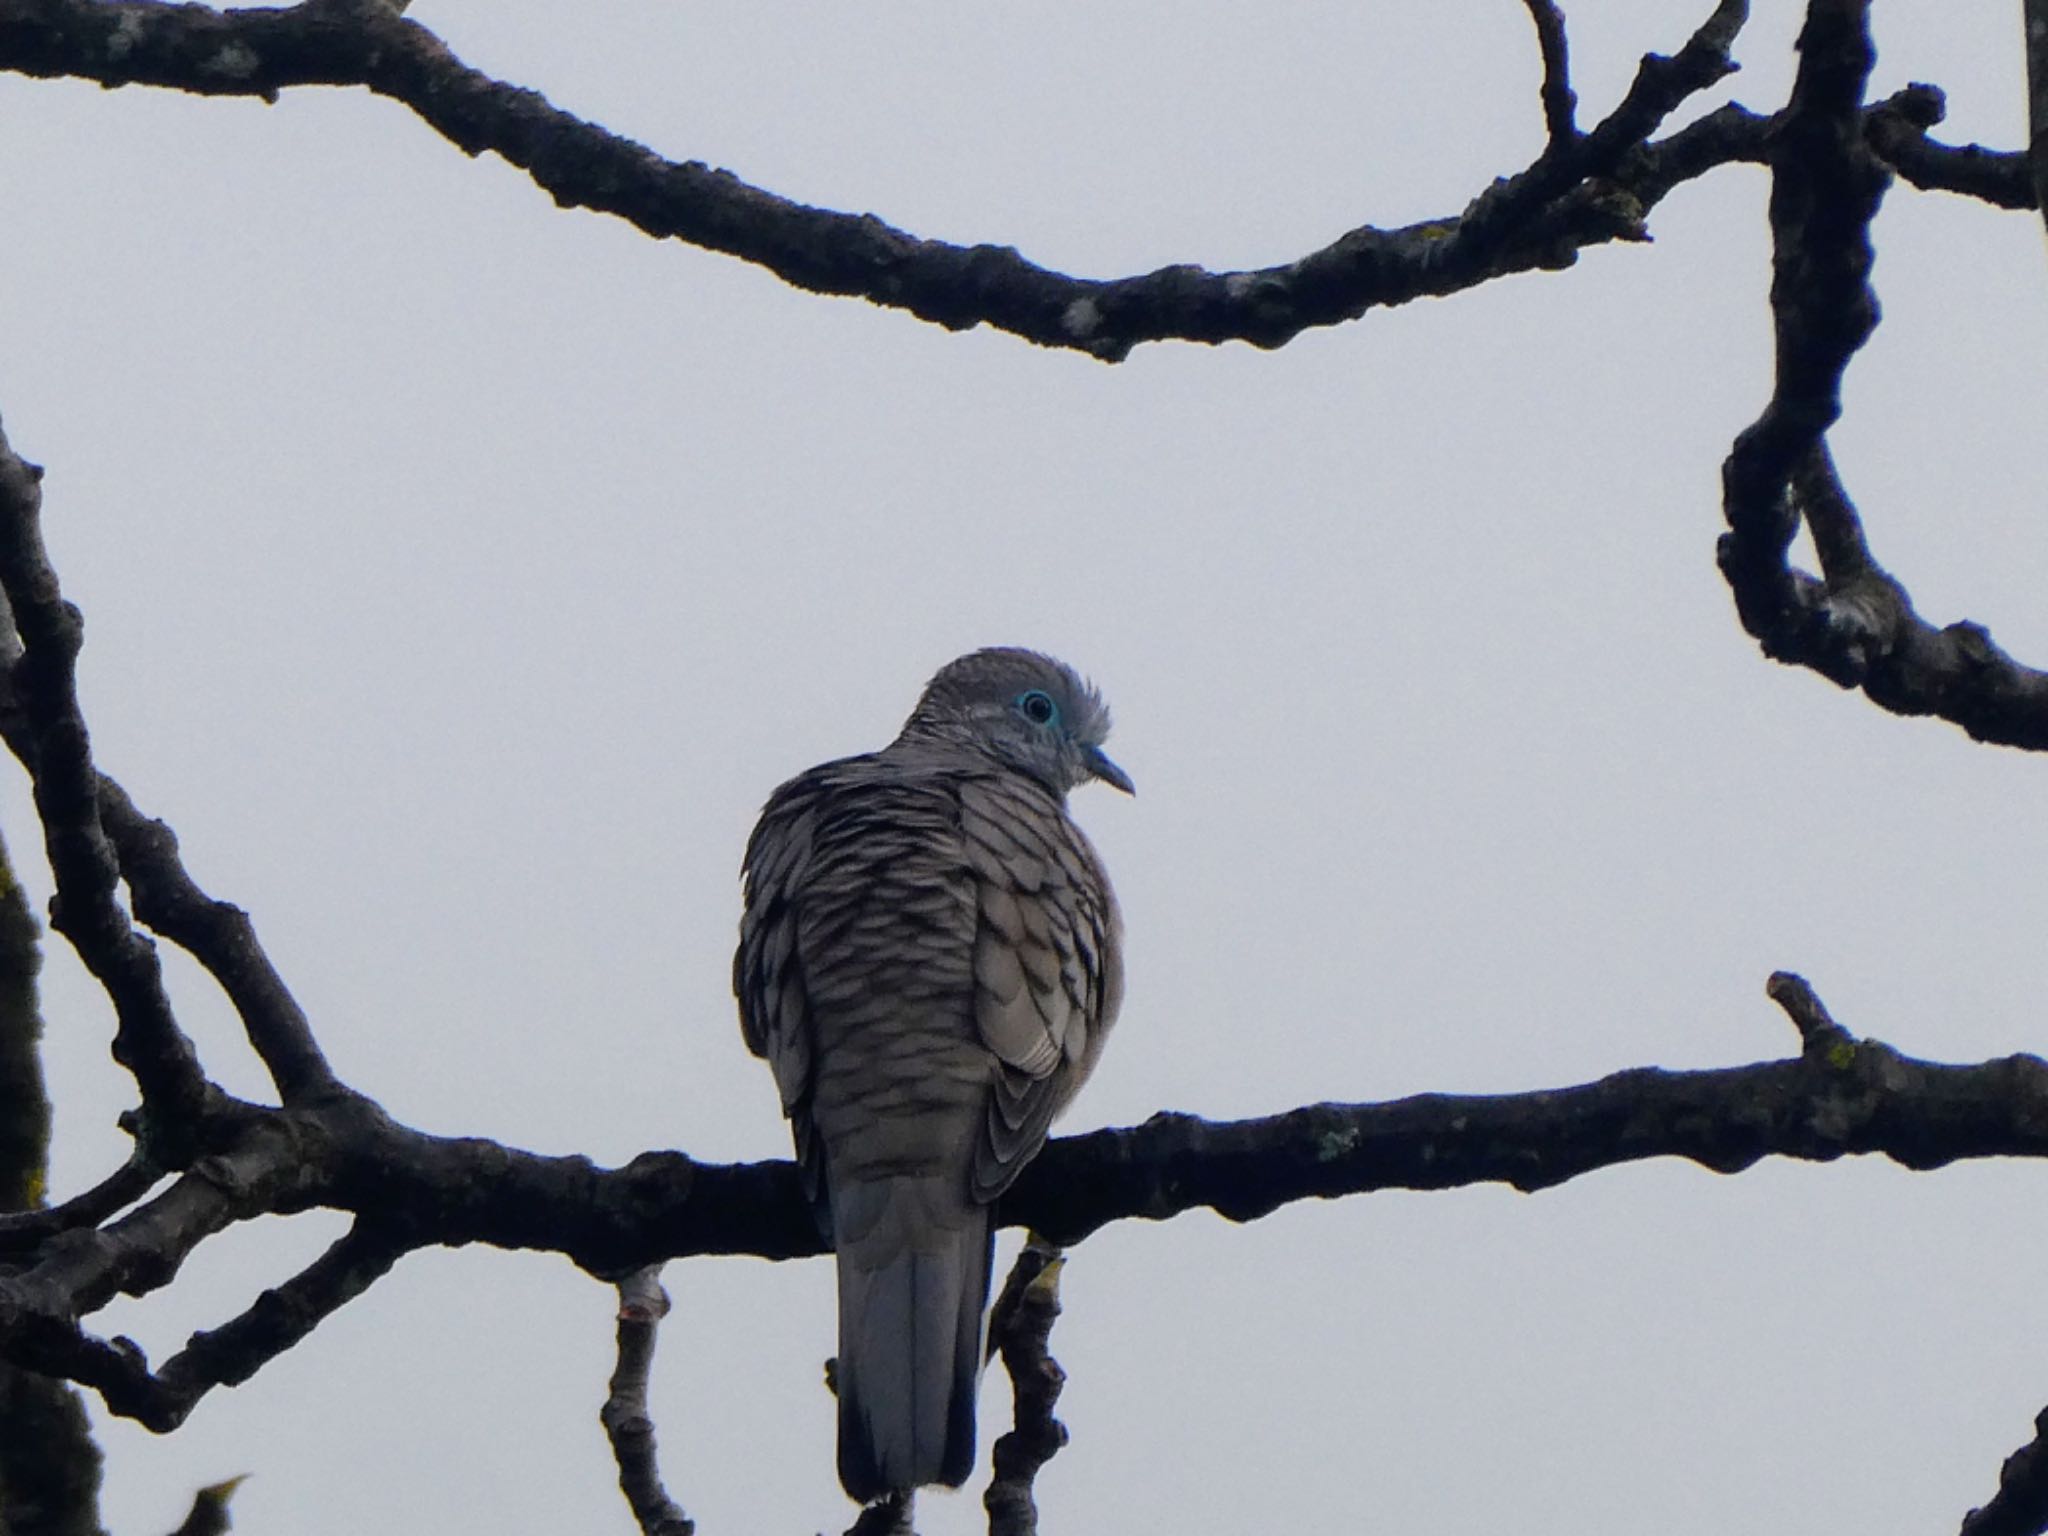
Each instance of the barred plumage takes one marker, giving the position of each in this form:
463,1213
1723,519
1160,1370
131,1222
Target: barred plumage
929,960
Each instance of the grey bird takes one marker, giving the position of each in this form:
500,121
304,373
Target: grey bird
929,960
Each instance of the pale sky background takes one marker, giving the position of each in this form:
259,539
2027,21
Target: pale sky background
460,574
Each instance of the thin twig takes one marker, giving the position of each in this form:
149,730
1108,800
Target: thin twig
1560,102
1896,128
2035,18
628,1423
209,1513
1020,1329
21,1231
1837,529
281,1317
1661,85
143,852
221,938
1818,1031
43,683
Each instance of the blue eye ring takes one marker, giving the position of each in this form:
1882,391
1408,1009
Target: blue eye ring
1037,706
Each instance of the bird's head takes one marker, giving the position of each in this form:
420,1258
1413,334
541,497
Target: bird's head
1032,713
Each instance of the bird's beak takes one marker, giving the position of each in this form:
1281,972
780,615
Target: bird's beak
1102,768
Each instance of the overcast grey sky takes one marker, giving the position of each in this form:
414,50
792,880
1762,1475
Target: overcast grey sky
460,574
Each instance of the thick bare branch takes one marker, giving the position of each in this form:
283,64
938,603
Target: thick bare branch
1825,190
1541,218
1855,1097
1868,1100
1584,190
1864,1098
1857,626
2020,1507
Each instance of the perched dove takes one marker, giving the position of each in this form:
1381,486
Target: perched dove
929,961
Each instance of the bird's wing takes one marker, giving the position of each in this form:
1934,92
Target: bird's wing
767,973
855,938
1047,973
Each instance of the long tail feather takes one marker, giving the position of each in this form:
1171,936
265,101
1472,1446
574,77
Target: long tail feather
913,1288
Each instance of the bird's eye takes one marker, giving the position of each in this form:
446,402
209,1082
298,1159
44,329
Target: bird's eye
1037,707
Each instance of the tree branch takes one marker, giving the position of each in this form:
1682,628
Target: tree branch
23,1230
1020,1329
2035,18
1560,101
1825,190
1662,85
221,938
1861,1097
628,1424
329,1147
1540,218
43,683
75,1273
2020,1507
1857,626
1897,130
1819,1034
106,839
1585,189
281,1317
1857,1097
